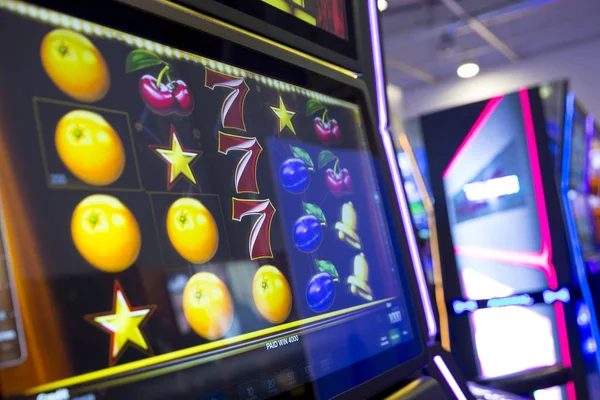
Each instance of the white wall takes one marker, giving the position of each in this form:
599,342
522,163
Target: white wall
580,64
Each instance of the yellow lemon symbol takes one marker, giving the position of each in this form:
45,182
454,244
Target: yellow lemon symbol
106,233
75,65
207,305
272,294
192,230
89,147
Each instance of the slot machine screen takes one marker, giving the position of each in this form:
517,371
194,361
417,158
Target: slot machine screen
496,212
329,15
583,216
413,195
324,23
553,96
578,154
179,222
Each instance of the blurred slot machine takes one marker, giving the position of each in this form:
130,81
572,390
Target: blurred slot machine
594,176
508,287
200,199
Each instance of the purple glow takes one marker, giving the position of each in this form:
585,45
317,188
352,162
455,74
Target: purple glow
443,368
391,158
593,266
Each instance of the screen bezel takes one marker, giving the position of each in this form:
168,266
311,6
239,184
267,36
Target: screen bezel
305,73
275,24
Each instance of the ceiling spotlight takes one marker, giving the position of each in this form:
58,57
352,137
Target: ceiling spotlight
467,70
382,5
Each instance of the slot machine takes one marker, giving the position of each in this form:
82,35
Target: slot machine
506,290
200,200
579,200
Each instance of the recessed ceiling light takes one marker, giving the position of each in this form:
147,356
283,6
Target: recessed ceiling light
467,70
382,5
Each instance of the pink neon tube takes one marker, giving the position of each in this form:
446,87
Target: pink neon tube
541,259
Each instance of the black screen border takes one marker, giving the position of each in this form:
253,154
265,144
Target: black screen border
278,25
254,54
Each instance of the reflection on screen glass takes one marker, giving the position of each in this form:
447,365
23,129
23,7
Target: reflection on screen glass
171,216
329,15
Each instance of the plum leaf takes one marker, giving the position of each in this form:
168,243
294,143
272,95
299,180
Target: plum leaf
303,155
327,266
326,157
140,59
314,106
313,209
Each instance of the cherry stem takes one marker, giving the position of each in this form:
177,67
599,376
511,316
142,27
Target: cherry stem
160,75
324,115
336,167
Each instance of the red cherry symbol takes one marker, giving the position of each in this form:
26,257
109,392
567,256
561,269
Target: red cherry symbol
162,99
327,132
346,179
338,183
334,181
158,98
335,130
183,97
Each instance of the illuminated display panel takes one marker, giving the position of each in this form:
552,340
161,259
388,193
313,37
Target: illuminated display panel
415,202
553,95
583,218
578,184
174,216
329,15
579,155
326,24
497,168
489,187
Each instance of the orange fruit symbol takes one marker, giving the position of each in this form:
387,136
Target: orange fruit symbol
207,305
89,147
192,230
75,65
106,233
272,294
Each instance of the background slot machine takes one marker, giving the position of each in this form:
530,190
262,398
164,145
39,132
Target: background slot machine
200,200
508,287
578,203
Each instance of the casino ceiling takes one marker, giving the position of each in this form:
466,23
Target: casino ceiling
425,40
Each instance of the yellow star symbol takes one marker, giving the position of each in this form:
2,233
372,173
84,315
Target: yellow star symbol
285,117
179,159
123,324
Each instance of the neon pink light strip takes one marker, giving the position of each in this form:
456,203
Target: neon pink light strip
394,169
487,112
542,259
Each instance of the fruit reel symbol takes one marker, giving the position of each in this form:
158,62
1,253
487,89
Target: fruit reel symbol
326,129
338,179
359,280
346,228
163,95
